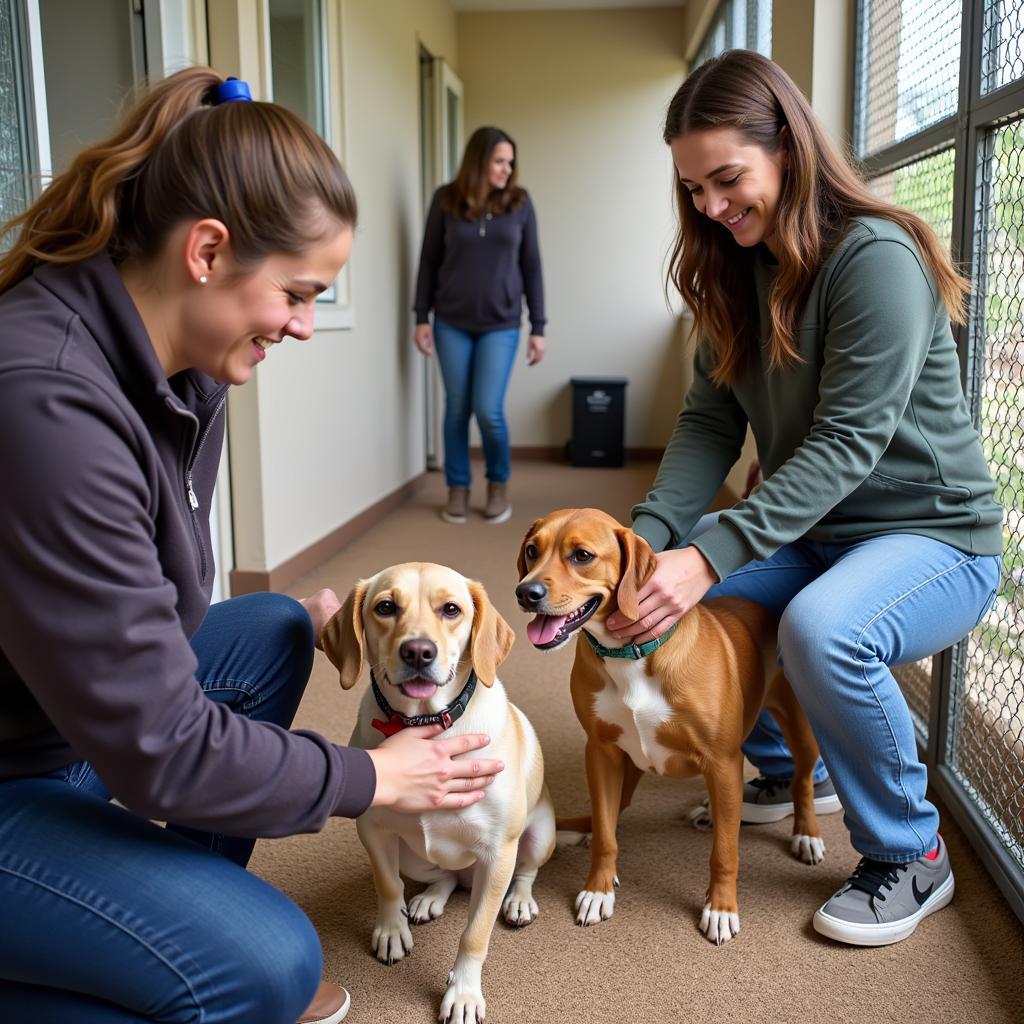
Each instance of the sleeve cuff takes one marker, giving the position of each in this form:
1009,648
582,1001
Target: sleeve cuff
653,530
360,783
724,549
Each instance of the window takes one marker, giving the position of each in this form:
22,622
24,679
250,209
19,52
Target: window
16,158
738,25
302,73
939,127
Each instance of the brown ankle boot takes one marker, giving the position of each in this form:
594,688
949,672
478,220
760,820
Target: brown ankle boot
498,508
458,505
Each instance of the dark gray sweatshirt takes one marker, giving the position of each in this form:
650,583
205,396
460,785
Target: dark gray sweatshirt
106,571
474,273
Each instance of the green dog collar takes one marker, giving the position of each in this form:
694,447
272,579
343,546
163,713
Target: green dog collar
633,651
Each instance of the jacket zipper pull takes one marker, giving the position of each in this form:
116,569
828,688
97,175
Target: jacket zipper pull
192,499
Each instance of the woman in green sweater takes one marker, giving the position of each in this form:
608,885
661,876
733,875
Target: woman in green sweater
824,318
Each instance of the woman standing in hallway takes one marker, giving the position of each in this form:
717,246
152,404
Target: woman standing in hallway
163,266
480,256
824,322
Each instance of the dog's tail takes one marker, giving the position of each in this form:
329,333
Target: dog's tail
584,823
573,831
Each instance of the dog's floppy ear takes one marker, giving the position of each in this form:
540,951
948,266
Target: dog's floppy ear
521,559
342,637
492,637
637,567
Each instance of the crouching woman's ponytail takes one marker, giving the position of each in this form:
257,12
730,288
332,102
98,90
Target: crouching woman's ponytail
178,154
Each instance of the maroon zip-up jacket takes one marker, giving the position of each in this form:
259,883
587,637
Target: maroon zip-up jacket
106,570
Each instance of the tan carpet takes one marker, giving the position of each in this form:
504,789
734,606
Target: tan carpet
649,963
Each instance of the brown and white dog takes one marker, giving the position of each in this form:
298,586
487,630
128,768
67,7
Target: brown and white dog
428,635
683,709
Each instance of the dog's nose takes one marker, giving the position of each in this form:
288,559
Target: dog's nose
531,594
418,654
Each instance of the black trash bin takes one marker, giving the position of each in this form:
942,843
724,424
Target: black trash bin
598,421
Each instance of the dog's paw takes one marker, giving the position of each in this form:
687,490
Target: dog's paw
427,906
700,816
519,910
463,1003
810,849
594,907
719,926
392,941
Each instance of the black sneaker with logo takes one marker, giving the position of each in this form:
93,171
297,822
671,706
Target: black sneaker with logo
883,903
767,800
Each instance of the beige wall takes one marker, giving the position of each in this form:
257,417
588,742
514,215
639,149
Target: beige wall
331,426
583,93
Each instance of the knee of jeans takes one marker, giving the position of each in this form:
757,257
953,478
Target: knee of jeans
490,421
280,964
807,635
286,621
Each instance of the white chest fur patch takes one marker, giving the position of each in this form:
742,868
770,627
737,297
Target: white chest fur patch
633,701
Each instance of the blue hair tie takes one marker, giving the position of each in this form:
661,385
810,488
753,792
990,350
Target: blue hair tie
232,89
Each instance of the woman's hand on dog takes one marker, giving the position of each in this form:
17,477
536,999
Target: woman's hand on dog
321,607
682,578
417,772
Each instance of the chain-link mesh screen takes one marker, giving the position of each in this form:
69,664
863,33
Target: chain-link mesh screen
1002,55
925,187
986,737
908,69
738,25
14,167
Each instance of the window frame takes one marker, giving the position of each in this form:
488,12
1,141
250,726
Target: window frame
977,113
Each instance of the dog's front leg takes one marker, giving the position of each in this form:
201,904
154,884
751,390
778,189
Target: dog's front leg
720,919
392,937
606,768
463,1002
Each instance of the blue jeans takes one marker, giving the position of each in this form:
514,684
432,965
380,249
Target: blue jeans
105,918
476,367
848,612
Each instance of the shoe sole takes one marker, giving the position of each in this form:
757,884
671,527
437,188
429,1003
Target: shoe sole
335,1018
762,814
854,934
448,517
501,517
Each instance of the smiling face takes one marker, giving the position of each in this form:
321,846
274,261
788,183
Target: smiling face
734,183
577,566
417,624
499,169
230,323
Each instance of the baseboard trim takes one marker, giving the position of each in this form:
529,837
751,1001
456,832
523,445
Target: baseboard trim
556,453
278,579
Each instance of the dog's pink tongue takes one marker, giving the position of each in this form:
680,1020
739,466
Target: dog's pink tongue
419,691
542,629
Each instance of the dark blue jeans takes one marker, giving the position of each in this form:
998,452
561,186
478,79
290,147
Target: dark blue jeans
106,918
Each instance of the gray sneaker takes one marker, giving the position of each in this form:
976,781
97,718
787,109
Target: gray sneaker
883,903
767,800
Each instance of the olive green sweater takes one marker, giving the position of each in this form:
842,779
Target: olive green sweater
868,435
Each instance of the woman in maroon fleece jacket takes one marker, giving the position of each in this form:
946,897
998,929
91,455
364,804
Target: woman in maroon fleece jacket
159,269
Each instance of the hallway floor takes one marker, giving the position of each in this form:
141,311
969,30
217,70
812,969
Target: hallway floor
649,963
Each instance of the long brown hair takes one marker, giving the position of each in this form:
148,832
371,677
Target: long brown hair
471,194
821,192
256,167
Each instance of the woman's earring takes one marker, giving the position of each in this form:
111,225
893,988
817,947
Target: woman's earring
202,279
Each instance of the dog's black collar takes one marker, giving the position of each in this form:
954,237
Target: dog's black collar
446,716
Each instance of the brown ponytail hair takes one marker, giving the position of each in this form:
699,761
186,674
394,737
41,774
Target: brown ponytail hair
821,192
256,167
471,194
